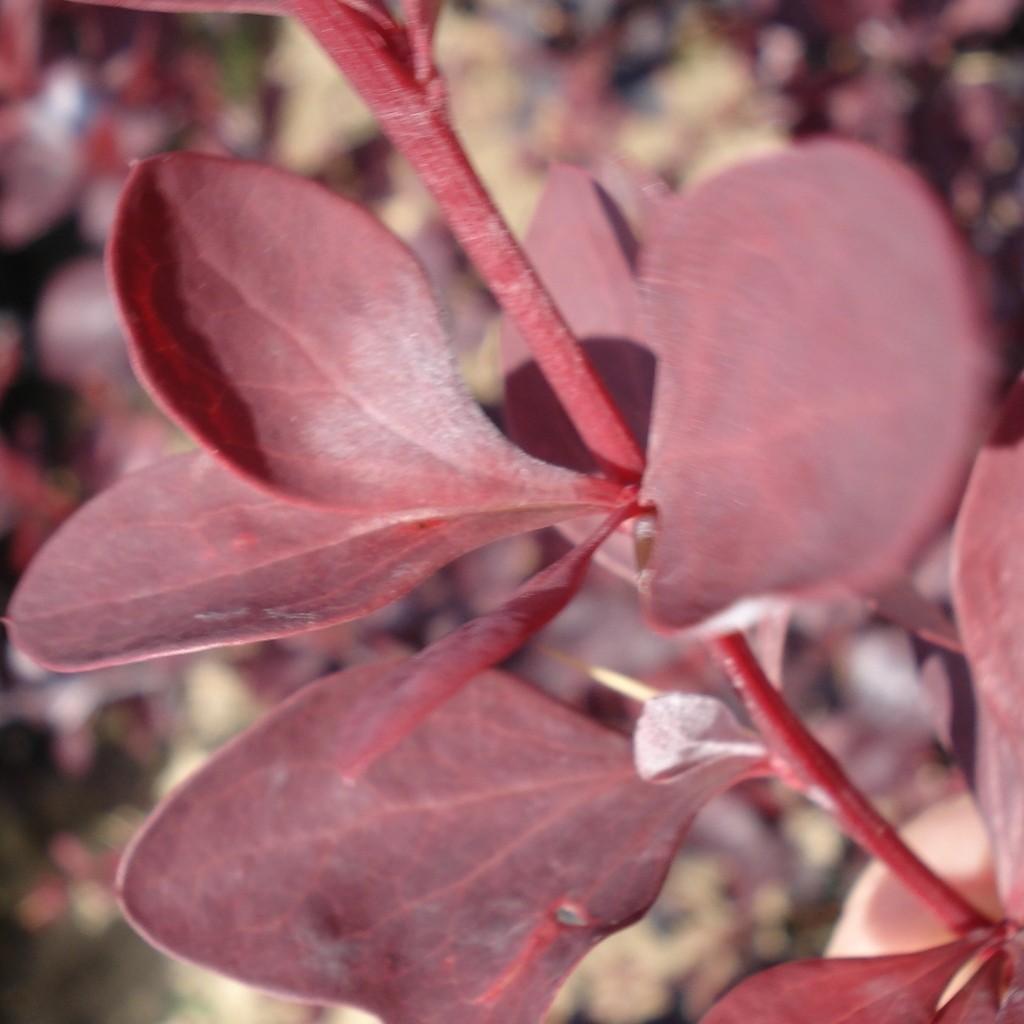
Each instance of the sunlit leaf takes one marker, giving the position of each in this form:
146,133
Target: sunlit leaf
184,555
291,333
819,378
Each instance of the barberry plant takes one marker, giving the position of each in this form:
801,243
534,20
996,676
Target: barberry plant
764,390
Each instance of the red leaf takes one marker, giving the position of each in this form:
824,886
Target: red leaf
988,594
808,309
901,602
1012,1009
978,1001
457,881
405,697
295,336
20,34
678,731
184,555
583,250
902,989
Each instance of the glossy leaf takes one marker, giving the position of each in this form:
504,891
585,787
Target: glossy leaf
184,555
677,731
456,881
988,594
584,252
295,336
902,989
819,378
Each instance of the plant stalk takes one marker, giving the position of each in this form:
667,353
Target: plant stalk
819,772
481,231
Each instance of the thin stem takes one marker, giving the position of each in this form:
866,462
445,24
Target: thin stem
483,234
415,119
789,741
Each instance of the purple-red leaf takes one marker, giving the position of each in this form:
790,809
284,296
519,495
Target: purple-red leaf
407,695
678,731
583,250
819,377
978,1001
184,555
988,593
456,882
902,989
20,35
902,603
1012,1009
298,339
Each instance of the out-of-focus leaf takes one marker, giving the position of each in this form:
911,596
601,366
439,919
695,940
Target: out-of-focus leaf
184,555
19,46
199,6
988,593
677,732
298,339
1012,1009
422,14
948,692
583,250
456,881
40,174
901,989
978,1001
901,602
807,308
970,17
78,334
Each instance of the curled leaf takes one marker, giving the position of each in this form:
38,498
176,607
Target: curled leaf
677,732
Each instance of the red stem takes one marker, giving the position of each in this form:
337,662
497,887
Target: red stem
485,237
819,772
415,119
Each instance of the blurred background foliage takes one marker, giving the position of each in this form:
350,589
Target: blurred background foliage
677,88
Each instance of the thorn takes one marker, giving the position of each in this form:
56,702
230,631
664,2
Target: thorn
625,685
